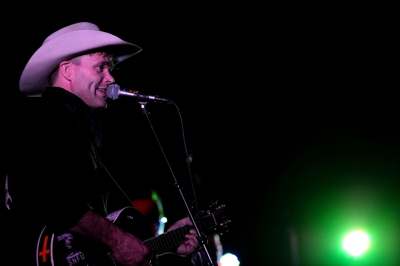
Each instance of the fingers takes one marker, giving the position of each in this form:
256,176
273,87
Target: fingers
190,245
192,235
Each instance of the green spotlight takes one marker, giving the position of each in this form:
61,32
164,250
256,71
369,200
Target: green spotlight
356,243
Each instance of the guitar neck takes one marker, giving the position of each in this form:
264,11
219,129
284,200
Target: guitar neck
161,243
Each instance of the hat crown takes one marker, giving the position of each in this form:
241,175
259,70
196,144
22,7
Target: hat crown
64,44
73,27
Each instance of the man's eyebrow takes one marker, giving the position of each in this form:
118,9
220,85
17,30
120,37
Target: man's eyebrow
105,63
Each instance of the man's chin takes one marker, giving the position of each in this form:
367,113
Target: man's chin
99,104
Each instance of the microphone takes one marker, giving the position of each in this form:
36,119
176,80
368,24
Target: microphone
114,92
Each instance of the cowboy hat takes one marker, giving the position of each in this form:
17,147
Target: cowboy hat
64,44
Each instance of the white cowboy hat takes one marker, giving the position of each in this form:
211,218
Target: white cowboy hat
64,44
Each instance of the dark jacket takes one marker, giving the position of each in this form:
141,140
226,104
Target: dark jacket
54,171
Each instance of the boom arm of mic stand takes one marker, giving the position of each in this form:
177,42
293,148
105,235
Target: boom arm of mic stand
200,238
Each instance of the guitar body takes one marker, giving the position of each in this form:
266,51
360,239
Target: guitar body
63,248
68,249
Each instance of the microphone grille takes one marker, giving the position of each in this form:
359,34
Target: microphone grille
113,91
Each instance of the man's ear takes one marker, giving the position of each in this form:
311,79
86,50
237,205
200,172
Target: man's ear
65,69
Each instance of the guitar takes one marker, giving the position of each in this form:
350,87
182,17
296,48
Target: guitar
64,248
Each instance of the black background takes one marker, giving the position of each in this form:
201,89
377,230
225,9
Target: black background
281,105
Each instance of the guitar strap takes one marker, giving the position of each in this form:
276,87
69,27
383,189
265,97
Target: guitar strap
97,163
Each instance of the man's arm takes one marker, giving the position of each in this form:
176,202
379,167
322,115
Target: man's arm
127,249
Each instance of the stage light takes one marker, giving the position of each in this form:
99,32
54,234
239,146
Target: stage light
356,243
228,259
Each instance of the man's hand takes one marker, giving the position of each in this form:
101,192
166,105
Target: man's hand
191,244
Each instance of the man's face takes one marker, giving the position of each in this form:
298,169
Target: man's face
91,78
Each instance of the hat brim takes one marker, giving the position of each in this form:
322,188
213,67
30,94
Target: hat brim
35,76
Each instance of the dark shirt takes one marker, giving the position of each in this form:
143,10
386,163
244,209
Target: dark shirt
54,171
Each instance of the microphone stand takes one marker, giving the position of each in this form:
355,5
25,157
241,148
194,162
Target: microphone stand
200,239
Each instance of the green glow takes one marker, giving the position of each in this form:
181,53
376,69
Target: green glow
356,243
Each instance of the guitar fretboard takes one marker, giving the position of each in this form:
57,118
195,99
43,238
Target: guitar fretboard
170,239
